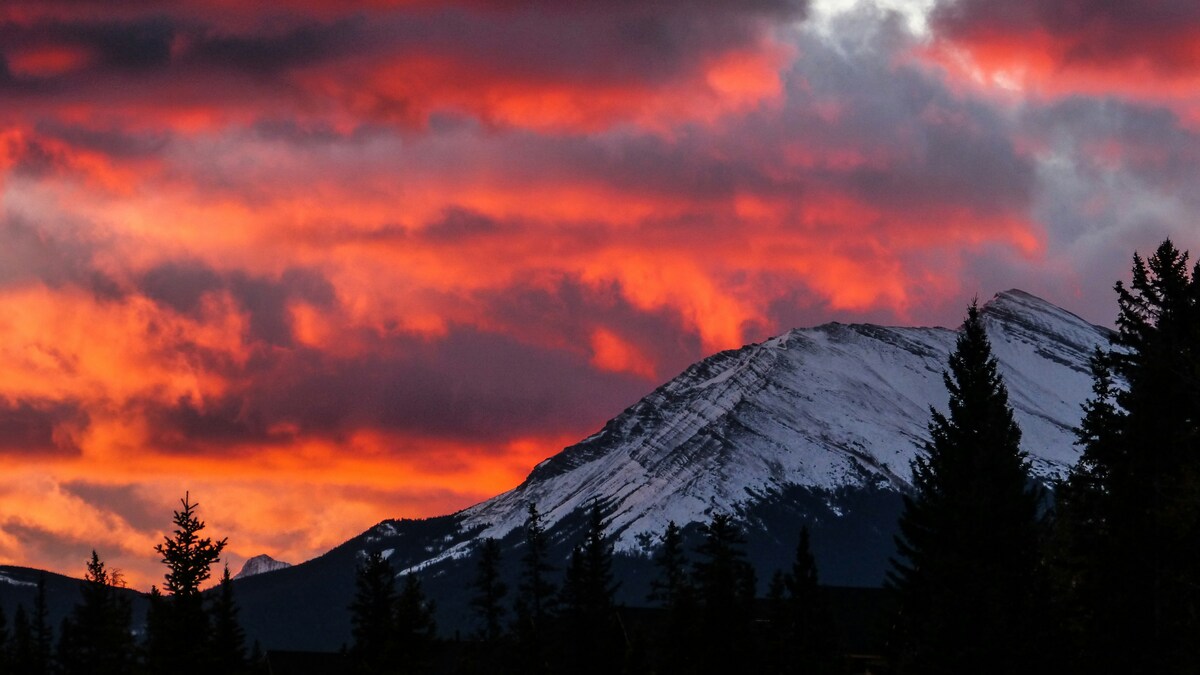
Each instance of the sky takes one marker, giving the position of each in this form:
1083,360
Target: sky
322,263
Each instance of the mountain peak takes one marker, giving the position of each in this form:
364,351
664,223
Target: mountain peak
260,564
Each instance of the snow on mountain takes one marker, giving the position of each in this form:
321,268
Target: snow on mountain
260,564
827,408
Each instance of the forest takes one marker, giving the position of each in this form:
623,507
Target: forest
994,572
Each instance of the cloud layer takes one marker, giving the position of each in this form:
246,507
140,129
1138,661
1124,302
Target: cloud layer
326,263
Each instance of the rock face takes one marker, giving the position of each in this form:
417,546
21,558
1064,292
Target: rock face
817,426
260,564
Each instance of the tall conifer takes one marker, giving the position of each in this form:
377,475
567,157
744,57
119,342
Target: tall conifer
968,542
1132,504
489,591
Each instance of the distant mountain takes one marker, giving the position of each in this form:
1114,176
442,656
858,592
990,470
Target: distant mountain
260,564
815,426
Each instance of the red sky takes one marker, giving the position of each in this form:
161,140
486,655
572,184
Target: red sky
323,263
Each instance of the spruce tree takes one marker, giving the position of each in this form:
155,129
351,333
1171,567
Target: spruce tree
489,591
535,594
228,647
415,627
588,591
725,587
189,557
373,616
96,637
1131,507
672,589
21,655
968,542
813,640
5,642
43,634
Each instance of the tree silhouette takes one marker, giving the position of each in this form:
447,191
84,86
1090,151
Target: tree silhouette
96,637
373,616
415,627
535,593
968,542
724,583
591,623
672,589
228,638
1131,507
179,636
489,591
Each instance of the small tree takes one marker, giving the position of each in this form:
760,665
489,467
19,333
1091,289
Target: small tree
725,584
228,638
415,627
373,615
535,593
813,642
43,634
672,589
968,541
489,591
588,596
184,639
96,637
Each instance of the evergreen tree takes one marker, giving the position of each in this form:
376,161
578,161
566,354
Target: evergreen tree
373,616
672,589
489,591
588,592
183,643
5,642
43,634
968,539
1130,510
535,593
724,583
96,637
813,641
415,627
228,639
535,590
21,657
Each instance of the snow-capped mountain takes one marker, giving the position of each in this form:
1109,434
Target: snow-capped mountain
817,426
827,408
260,564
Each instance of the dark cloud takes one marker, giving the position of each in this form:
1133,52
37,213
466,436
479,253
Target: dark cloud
126,501
181,285
108,141
1160,33
40,427
473,385
30,254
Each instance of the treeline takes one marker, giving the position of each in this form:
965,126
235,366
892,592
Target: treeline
566,619
993,573
1103,576
186,632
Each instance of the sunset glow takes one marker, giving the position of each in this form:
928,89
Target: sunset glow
326,263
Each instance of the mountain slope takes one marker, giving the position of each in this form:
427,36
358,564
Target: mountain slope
817,425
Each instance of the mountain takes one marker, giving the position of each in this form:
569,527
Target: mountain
260,564
817,426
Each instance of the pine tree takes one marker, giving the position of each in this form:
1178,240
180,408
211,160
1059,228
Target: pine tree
228,639
968,542
724,583
373,616
43,634
813,640
1131,507
415,627
588,593
489,591
535,590
185,638
672,589
5,642
21,656
96,637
